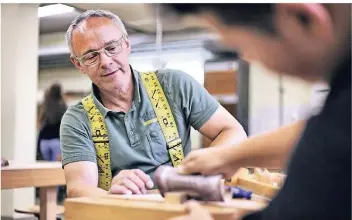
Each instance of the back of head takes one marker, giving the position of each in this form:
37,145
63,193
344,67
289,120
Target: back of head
303,40
254,15
55,92
54,105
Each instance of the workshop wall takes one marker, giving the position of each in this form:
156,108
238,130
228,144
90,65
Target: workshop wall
298,99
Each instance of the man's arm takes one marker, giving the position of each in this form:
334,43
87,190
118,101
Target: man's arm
79,162
201,110
223,129
270,150
82,179
78,155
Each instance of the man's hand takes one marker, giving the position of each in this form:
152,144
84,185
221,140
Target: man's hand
195,212
131,182
210,161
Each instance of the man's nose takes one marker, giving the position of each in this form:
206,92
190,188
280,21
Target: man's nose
105,60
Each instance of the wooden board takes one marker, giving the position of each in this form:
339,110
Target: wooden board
146,207
259,188
157,198
145,197
262,183
39,174
45,175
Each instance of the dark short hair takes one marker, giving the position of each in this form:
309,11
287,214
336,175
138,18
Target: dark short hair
259,16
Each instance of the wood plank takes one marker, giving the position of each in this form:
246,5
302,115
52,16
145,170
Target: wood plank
259,188
260,182
157,198
15,165
48,204
175,197
40,174
111,209
145,197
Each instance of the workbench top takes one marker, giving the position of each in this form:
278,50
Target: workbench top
45,175
16,165
35,174
147,207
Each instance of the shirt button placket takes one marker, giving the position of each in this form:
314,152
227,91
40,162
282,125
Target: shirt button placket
128,129
127,125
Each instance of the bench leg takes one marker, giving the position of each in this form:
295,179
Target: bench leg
48,203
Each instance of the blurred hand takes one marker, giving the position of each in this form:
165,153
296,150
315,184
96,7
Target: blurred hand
197,212
131,182
209,161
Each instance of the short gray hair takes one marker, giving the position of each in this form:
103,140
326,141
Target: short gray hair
92,13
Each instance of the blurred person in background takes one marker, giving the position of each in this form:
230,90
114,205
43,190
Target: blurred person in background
51,112
100,48
311,42
50,115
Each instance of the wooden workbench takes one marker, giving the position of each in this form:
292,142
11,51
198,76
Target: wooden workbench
45,175
146,207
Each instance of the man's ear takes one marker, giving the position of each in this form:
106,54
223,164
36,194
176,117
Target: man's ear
77,64
311,21
128,45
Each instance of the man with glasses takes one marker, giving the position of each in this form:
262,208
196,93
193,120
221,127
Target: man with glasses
100,48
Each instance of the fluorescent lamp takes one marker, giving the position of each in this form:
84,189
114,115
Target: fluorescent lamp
54,9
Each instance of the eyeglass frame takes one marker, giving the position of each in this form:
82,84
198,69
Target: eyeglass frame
80,59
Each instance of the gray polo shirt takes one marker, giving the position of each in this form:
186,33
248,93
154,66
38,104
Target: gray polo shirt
132,143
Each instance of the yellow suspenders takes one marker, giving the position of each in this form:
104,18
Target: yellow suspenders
165,119
100,140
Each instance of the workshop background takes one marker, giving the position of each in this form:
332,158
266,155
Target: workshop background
34,55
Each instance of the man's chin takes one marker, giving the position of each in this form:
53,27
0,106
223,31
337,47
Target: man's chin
116,88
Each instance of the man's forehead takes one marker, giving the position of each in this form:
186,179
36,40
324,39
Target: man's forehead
93,33
93,23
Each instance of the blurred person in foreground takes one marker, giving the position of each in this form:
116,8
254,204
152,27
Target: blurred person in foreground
100,48
311,42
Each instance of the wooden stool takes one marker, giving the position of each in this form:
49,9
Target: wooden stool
35,210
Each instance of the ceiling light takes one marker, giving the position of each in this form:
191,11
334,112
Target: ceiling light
54,9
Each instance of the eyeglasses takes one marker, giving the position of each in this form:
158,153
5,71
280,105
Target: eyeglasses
93,58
